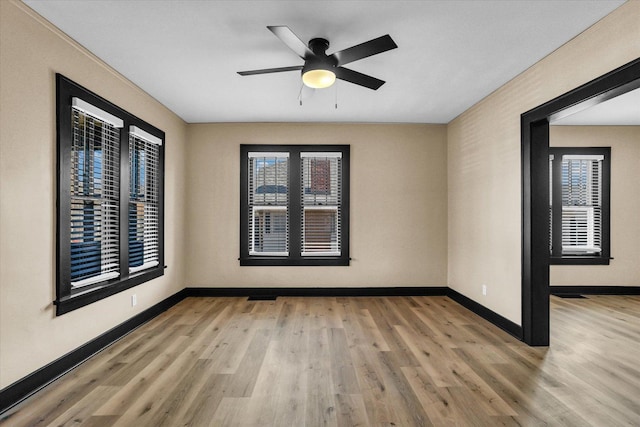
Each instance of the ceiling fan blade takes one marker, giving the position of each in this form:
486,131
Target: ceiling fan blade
363,50
289,38
358,78
270,70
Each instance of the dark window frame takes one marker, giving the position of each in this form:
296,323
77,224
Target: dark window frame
294,258
68,299
556,256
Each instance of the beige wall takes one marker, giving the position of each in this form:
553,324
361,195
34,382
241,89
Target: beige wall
484,160
398,205
624,141
31,52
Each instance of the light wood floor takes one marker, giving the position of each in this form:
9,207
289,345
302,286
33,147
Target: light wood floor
354,362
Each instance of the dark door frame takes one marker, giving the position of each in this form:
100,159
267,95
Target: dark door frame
535,189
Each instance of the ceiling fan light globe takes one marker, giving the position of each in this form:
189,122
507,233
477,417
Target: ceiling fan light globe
319,78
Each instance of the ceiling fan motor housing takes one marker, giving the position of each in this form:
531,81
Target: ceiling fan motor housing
319,46
320,60
318,71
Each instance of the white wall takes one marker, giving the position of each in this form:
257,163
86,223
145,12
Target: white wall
484,160
398,205
31,52
624,269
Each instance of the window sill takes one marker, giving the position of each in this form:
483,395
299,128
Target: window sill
298,262
84,297
579,260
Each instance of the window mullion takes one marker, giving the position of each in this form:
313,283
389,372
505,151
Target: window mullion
556,226
125,199
295,205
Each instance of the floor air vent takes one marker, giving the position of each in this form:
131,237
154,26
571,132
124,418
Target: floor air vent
578,296
262,298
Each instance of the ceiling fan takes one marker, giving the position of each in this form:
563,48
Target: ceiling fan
321,70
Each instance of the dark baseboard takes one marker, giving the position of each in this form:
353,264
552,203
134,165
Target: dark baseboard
487,314
27,386
594,290
317,292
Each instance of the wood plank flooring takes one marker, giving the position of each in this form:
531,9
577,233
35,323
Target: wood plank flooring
398,361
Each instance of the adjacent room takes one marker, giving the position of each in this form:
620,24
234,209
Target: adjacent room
275,213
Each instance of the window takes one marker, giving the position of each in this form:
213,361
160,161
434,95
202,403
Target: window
321,199
269,203
110,186
144,168
579,205
94,193
294,205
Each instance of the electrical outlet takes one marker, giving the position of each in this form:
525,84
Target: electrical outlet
484,289
134,300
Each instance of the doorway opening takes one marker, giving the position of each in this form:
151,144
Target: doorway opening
535,189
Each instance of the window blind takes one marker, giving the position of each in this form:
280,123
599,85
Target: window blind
94,195
144,181
268,203
581,203
321,200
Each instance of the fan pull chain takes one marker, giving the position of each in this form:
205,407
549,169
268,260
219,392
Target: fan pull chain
336,85
300,94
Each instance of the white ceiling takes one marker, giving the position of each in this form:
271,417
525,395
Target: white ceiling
451,54
623,110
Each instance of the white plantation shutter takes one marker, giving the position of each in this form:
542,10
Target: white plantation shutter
268,195
582,204
94,195
144,191
321,203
